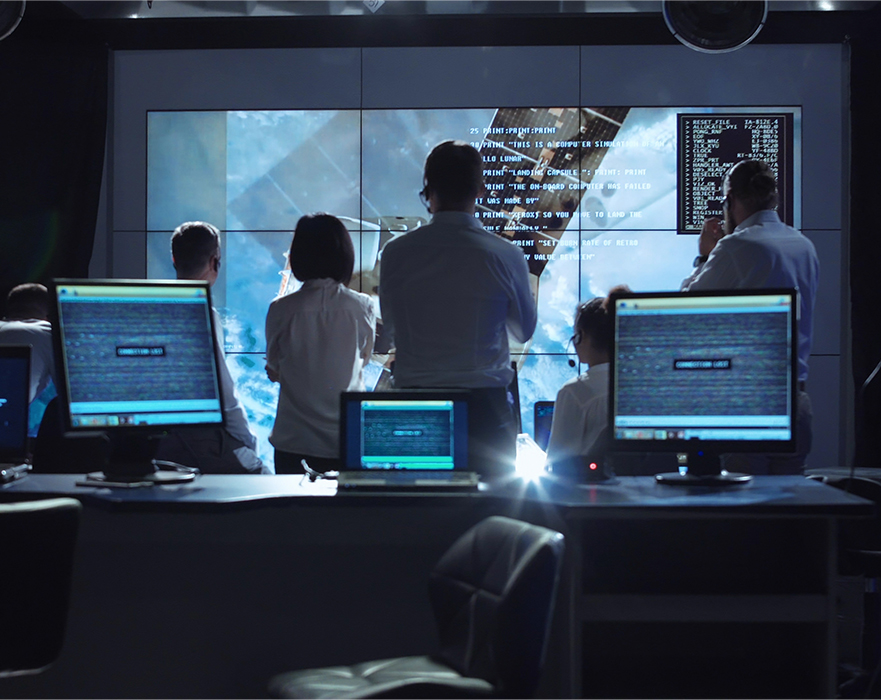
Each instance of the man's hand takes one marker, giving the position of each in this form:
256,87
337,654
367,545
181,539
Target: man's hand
272,374
711,232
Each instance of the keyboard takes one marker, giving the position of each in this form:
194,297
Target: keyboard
408,480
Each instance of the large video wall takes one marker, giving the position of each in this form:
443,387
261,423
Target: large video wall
592,190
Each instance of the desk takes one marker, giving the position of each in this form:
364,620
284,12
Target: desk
839,472
208,589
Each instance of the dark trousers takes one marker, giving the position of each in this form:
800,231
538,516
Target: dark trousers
492,432
210,450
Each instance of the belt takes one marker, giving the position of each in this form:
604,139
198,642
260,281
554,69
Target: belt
802,386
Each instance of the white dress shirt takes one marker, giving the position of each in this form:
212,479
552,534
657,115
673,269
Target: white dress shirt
450,293
37,334
763,253
318,340
581,412
234,412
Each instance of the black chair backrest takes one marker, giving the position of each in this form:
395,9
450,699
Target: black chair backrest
38,549
493,595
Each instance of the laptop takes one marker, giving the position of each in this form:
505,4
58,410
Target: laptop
15,384
405,440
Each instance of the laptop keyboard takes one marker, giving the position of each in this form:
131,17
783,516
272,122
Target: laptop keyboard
408,479
443,476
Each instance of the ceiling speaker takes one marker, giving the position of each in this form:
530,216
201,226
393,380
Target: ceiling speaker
11,12
715,26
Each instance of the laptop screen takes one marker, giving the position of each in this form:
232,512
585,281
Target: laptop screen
404,430
543,419
14,394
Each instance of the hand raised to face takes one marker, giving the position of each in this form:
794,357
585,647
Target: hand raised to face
711,232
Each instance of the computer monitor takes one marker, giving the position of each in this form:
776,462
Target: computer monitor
135,359
704,373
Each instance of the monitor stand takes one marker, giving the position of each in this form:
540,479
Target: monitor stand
704,469
131,460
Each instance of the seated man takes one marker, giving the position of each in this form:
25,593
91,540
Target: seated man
27,323
450,293
195,250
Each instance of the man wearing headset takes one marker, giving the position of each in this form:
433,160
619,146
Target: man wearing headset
751,248
195,252
450,294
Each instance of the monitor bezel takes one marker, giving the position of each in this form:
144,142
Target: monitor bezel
18,454
61,357
349,397
708,446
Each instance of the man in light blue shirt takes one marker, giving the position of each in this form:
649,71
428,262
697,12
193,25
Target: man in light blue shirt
753,249
195,250
452,292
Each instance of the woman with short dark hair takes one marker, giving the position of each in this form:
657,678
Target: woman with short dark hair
318,340
581,408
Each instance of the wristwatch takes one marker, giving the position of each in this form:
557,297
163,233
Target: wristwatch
700,260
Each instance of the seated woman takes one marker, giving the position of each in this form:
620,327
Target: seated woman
581,408
318,340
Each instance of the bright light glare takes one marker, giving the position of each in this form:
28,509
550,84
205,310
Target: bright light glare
531,459
825,5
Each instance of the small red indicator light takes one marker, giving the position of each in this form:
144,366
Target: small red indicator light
593,466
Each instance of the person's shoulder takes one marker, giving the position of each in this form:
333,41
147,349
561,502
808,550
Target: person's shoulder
574,386
500,245
567,393
736,241
398,246
286,304
768,237
356,297
403,239
595,379
580,392
280,302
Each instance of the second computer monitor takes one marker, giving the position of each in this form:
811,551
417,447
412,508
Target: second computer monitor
704,373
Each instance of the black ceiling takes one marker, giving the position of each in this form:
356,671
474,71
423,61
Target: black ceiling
184,24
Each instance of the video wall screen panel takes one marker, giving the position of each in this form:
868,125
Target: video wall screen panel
593,195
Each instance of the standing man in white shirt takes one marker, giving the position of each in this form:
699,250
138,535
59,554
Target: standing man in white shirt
195,252
751,248
451,293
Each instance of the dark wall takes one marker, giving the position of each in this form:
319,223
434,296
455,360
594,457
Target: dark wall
54,96
53,78
865,238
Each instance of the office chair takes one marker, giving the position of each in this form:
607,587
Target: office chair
492,594
38,548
